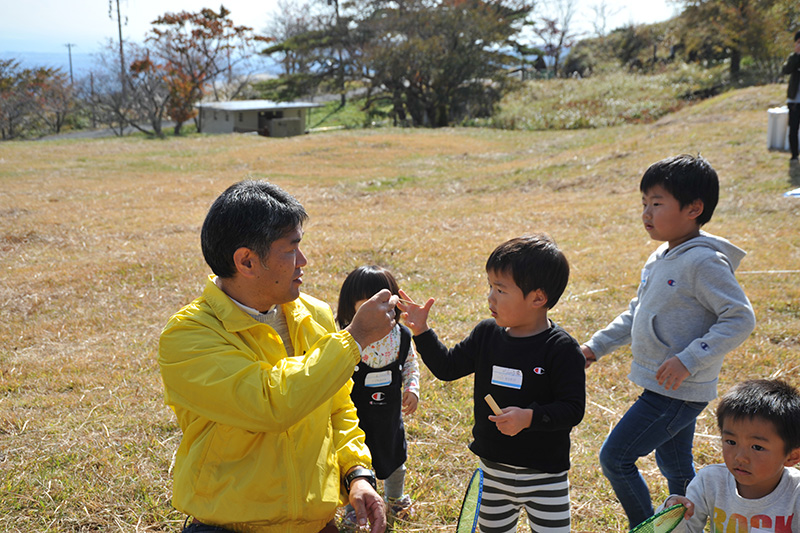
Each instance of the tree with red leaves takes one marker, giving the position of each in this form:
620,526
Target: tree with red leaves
193,51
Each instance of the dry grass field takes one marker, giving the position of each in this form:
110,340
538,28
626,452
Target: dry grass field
99,244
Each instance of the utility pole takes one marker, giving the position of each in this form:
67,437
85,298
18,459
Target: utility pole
69,49
121,51
339,36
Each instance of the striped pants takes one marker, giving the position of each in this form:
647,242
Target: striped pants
508,489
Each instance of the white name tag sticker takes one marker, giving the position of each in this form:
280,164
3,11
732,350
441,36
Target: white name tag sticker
378,379
507,377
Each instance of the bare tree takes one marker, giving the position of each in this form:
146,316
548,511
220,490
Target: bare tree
602,12
104,95
555,29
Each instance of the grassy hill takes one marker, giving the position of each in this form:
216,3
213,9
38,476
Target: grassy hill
99,244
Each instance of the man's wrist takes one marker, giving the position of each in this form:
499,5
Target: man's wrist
359,472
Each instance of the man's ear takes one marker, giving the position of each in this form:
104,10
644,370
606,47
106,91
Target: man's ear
794,457
244,259
695,209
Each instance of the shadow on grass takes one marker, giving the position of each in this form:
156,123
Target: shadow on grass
794,173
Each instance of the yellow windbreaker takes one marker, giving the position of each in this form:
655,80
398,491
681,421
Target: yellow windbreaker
266,437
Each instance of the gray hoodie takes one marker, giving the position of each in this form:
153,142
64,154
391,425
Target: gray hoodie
689,305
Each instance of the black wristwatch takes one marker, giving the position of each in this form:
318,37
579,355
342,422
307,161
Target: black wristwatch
358,472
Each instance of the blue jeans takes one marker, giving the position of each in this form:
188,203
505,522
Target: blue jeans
654,422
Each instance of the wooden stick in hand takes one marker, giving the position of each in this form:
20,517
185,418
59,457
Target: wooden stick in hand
493,404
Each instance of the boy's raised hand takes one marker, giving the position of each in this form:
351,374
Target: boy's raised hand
671,373
415,316
513,420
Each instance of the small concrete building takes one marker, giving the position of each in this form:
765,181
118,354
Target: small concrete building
268,118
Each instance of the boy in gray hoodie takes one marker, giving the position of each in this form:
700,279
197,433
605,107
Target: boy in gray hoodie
689,311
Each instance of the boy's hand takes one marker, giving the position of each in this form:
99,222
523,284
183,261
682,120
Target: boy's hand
513,420
410,402
671,373
589,355
675,500
415,316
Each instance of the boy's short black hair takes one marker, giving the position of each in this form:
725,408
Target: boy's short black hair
687,178
535,262
248,214
772,400
362,284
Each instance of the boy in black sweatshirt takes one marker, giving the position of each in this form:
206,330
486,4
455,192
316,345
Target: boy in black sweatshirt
530,366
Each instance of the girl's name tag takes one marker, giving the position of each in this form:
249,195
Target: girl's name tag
507,377
378,379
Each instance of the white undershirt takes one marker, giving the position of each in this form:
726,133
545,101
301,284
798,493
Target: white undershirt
274,318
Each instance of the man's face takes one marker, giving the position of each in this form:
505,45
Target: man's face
280,274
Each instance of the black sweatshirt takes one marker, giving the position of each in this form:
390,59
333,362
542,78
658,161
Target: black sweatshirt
544,372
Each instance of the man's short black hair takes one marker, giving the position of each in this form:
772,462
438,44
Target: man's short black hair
249,214
534,262
772,400
687,178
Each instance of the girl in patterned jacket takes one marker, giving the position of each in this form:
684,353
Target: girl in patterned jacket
385,388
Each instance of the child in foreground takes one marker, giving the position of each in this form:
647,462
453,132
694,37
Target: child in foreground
529,365
757,489
689,311
384,383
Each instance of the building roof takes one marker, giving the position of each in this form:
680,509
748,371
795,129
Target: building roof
255,105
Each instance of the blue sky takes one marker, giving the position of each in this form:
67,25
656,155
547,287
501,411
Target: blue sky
48,25
39,30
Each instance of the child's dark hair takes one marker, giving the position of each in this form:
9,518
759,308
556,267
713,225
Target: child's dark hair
687,178
362,284
534,262
772,400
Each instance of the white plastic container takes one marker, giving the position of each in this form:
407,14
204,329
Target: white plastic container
778,128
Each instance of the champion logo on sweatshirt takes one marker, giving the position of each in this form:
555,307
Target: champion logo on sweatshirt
671,282
538,370
704,346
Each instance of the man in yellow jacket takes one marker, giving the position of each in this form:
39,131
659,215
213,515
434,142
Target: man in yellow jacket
259,378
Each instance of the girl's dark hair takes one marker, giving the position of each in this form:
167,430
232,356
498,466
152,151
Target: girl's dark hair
772,400
362,284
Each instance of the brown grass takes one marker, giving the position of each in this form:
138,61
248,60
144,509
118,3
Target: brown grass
99,244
